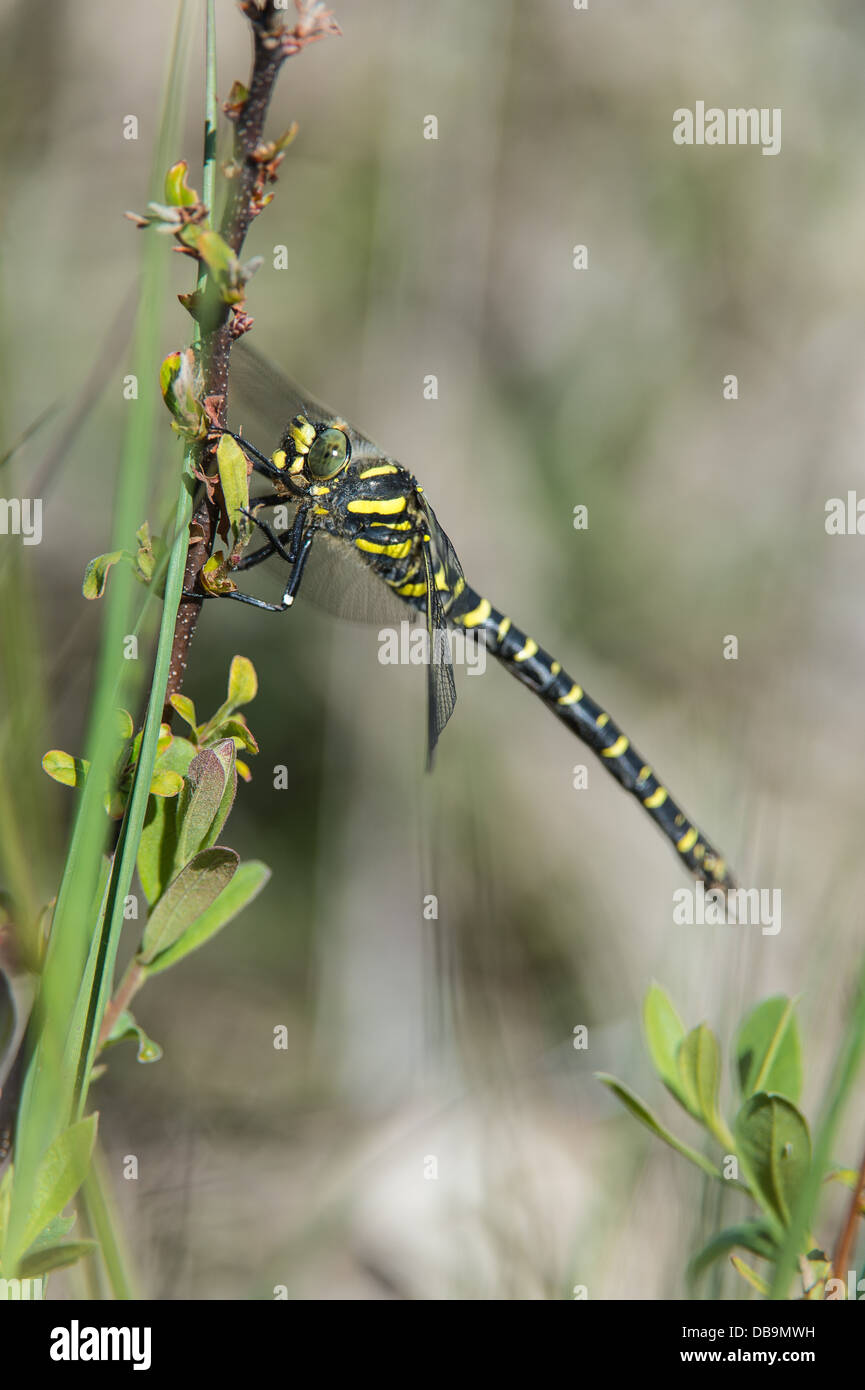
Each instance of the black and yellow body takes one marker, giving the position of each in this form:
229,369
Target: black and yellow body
347,495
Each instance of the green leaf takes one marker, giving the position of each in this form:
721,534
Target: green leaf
157,846
664,1032
767,1050
642,1112
699,1063
215,577
124,725
63,768
53,1233
246,885
165,783
749,1235
185,708
234,477
127,1029
96,573
59,1175
242,688
750,1275
66,1252
242,682
236,728
200,800
191,893
226,754
237,99
774,1149
178,194
181,384
175,755
150,551
222,264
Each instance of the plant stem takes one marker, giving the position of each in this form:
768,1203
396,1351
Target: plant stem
273,42
133,979
104,1227
844,1248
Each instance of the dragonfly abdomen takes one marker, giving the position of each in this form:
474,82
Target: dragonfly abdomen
567,700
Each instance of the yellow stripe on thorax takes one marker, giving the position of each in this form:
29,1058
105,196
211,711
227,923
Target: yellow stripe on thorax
377,472
385,505
396,552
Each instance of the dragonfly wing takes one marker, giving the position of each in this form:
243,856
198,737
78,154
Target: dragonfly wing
338,580
262,400
444,558
441,689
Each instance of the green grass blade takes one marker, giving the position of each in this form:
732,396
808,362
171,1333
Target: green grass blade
48,1101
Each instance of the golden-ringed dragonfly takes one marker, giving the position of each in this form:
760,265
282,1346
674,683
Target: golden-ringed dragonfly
358,510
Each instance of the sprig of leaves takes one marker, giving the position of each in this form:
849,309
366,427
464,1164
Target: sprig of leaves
766,1144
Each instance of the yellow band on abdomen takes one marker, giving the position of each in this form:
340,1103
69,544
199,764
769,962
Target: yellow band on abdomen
574,694
477,615
618,748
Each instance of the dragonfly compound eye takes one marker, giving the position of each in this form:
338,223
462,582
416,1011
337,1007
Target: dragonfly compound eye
328,454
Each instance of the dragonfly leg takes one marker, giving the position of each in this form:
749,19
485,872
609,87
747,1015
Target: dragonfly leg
290,554
255,558
294,578
241,598
262,464
297,568
267,499
255,602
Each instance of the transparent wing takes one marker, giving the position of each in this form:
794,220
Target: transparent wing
262,400
444,555
337,580
441,688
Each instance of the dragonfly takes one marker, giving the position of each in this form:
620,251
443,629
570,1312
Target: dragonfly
363,525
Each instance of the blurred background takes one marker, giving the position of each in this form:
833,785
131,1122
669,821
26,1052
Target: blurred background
430,1131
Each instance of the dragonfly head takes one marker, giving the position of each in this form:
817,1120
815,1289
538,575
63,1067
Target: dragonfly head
313,453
